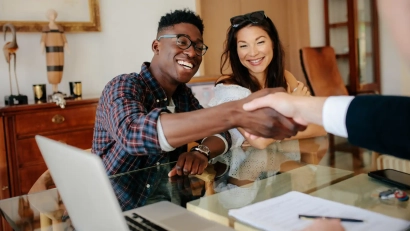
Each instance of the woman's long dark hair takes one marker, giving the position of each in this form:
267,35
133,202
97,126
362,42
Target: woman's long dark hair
240,74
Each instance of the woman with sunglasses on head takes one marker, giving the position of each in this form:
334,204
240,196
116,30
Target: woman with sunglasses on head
254,52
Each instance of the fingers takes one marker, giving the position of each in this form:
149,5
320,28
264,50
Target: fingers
189,163
269,123
180,164
173,172
265,101
264,92
301,90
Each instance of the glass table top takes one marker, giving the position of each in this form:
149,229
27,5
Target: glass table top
238,178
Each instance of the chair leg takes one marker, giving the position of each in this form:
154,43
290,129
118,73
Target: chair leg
331,150
357,158
375,155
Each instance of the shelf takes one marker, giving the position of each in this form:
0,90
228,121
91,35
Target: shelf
337,24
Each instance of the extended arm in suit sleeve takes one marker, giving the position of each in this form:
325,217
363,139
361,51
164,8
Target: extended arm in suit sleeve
380,123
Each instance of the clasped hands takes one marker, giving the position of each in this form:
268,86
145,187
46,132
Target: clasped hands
264,121
257,122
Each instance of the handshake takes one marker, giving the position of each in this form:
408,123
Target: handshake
279,115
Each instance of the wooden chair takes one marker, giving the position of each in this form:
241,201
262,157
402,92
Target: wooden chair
391,162
323,78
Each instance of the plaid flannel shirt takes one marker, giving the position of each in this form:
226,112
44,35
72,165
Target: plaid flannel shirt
125,131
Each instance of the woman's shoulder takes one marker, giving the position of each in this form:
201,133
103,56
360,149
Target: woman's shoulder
228,82
290,78
228,92
231,88
225,79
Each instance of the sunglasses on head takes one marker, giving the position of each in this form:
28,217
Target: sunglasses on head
254,17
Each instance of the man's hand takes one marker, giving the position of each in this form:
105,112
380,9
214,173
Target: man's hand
263,120
190,163
284,103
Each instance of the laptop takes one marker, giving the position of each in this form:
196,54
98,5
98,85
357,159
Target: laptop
88,196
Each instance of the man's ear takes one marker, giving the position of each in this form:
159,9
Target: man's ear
155,47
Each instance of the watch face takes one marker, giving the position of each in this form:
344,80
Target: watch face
204,148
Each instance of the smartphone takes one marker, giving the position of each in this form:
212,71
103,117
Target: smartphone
393,177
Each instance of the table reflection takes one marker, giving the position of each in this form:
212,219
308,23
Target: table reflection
240,177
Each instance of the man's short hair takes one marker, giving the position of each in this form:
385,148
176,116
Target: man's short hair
180,16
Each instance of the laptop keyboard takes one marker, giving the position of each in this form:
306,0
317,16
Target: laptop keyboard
137,223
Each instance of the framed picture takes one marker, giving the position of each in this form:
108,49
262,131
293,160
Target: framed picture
30,16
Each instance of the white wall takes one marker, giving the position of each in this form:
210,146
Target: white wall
395,74
128,29
316,23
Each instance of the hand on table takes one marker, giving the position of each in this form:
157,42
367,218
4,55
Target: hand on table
190,163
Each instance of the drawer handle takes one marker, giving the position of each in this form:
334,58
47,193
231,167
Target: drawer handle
58,119
4,188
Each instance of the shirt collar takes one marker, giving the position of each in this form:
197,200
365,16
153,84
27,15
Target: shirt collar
154,84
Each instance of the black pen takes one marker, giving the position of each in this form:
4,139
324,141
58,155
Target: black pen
324,217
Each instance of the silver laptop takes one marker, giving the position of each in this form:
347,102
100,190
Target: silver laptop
88,196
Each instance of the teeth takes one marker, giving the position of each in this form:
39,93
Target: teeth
185,64
255,61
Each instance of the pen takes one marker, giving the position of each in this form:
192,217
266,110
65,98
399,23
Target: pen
324,217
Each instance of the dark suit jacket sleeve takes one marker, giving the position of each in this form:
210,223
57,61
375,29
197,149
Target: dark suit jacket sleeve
380,123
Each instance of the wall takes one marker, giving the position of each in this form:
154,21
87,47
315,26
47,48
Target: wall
395,74
316,23
128,29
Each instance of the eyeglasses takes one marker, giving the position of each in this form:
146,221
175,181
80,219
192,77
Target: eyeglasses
254,17
184,43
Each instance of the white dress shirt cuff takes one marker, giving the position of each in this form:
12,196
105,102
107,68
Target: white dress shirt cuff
163,143
334,114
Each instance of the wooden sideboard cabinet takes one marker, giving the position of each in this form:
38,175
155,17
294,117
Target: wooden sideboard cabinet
21,162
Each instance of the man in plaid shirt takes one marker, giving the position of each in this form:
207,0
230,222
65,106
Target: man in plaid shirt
147,118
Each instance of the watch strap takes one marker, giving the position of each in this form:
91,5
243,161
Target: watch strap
196,148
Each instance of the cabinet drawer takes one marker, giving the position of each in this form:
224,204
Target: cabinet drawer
57,119
28,153
29,175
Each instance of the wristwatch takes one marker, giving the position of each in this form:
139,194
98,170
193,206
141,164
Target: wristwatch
201,149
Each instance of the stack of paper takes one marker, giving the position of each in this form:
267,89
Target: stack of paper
282,213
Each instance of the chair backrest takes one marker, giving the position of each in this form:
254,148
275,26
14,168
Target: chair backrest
322,74
391,162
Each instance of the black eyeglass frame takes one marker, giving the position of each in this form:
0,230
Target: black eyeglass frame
201,49
253,17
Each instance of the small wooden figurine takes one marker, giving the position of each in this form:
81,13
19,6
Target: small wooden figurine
53,42
9,50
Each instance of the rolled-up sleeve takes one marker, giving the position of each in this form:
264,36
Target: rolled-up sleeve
194,105
129,122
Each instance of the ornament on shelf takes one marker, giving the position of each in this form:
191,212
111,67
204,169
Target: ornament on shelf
9,50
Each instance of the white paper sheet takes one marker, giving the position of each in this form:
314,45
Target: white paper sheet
282,213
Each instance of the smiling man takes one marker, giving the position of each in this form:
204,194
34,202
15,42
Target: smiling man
147,118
